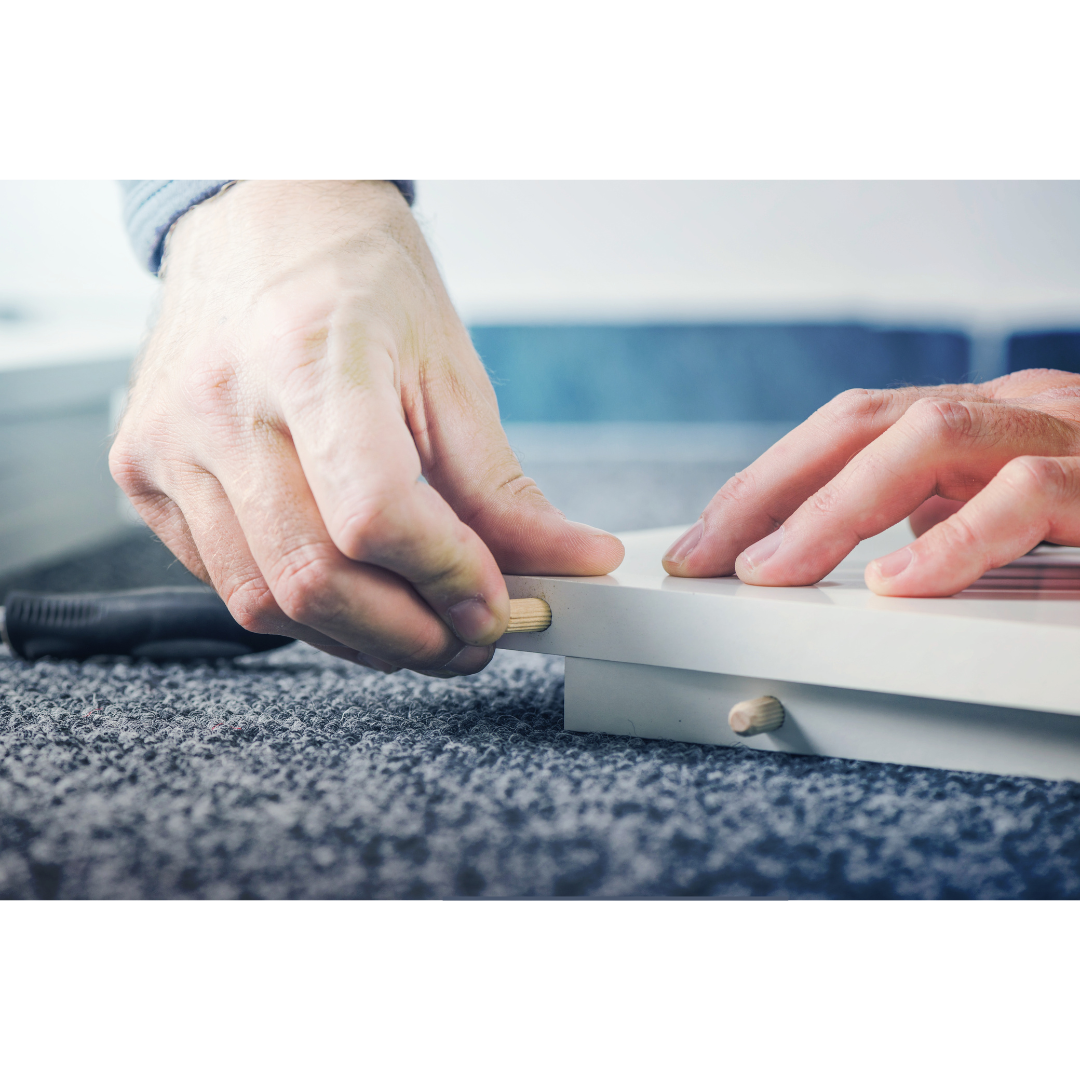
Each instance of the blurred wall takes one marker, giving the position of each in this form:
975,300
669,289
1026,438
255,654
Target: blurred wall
63,251
704,373
988,256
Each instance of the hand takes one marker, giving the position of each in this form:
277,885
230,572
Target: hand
306,374
985,471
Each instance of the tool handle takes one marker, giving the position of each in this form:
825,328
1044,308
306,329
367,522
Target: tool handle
155,624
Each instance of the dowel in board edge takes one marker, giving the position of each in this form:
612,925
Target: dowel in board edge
529,615
756,716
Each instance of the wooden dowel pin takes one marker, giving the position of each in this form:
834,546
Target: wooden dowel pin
756,716
528,615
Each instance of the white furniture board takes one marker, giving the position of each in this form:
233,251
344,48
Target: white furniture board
58,384
988,680
650,702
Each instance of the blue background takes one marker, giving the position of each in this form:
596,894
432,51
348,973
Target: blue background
725,372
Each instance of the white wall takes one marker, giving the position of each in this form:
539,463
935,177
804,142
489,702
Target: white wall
990,256
62,245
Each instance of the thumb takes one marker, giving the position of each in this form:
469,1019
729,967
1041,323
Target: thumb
468,460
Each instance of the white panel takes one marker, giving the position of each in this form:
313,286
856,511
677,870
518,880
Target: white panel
1008,642
56,494
692,706
998,253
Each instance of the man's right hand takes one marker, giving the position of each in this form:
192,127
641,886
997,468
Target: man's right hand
986,471
307,373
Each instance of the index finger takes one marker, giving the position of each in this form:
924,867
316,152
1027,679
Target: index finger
945,447
361,463
756,501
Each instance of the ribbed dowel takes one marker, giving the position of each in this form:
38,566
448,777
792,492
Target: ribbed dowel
756,716
528,615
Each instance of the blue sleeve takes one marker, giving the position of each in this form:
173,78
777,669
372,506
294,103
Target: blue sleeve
151,207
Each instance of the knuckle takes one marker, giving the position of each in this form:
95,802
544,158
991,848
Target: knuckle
522,487
128,469
368,529
825,501
519,489
940,419
302,585
1055,477
213,386
958,533
742,487
252,605
857,406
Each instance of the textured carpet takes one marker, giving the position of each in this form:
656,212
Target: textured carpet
296,775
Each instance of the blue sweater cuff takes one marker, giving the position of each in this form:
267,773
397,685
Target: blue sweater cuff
151,207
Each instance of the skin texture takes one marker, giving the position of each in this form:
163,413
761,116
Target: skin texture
986,472
306,375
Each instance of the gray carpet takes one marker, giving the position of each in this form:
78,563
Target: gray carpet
296,775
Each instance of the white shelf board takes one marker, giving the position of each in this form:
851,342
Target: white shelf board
646,702
1009,641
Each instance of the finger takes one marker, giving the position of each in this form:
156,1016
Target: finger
354,657
272,562
360,460
933,511
365,607
467,458
160,513
225,562
1030,500
754,503
942,447
236,570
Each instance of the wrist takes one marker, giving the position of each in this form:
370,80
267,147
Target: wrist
304,249
283,217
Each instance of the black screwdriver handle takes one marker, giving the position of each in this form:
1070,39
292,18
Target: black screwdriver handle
152,624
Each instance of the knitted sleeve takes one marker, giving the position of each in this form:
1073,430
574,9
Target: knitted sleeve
151,207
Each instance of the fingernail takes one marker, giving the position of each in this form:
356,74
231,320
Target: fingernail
680,550
894,564
757,554
471,659
472,619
